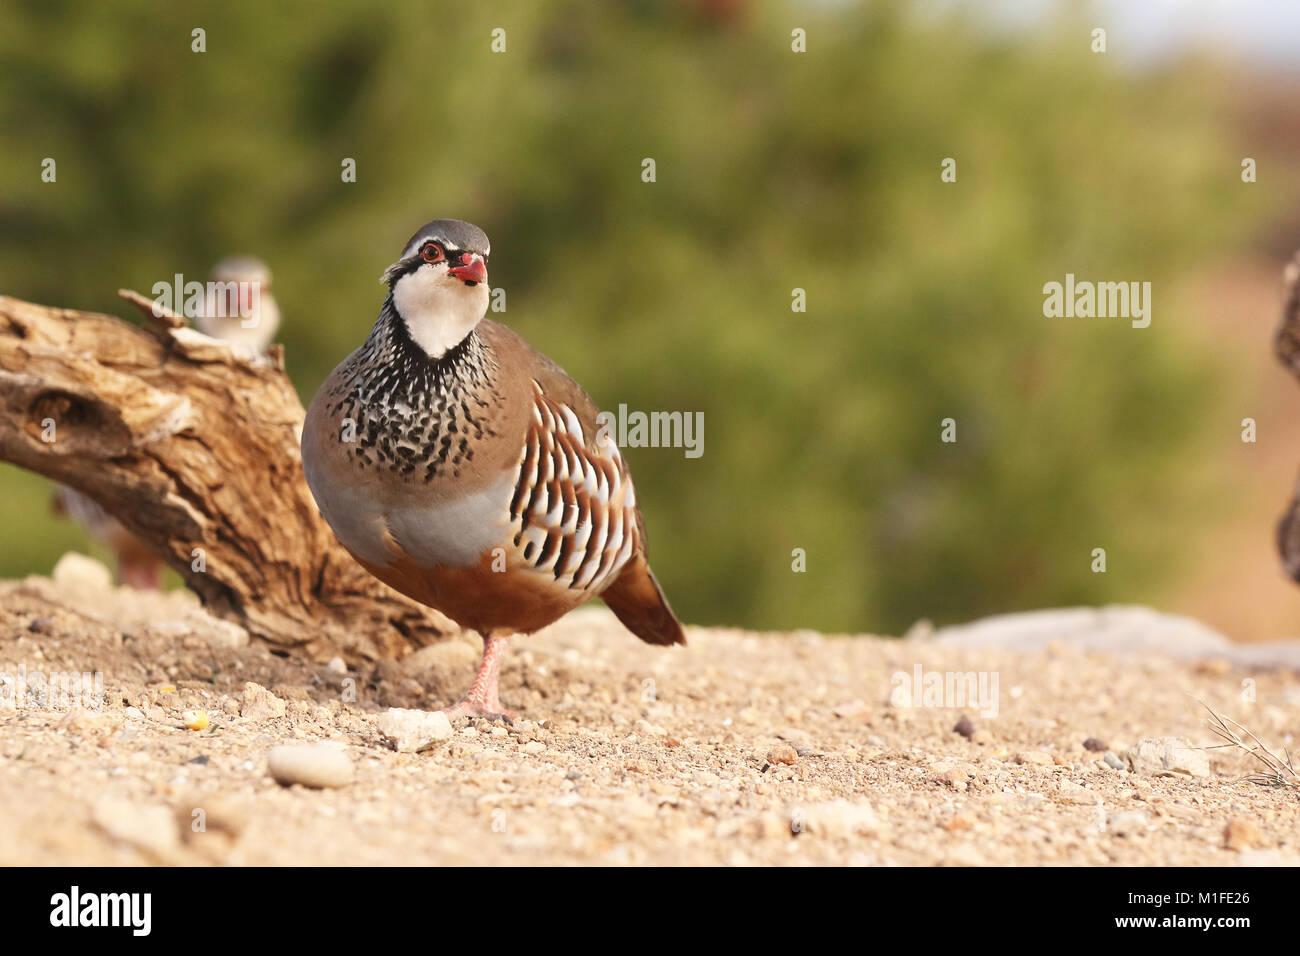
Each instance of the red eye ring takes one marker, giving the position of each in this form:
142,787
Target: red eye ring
431,252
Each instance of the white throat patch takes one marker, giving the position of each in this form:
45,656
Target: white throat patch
438,310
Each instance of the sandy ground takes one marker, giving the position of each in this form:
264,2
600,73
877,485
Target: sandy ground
739,749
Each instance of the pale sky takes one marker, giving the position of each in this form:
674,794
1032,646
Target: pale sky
1144,31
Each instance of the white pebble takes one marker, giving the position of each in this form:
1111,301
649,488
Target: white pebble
410,731
312,765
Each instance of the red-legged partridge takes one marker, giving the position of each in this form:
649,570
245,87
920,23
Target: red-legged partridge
468,471
238,308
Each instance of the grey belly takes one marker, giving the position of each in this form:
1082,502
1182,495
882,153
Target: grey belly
454,534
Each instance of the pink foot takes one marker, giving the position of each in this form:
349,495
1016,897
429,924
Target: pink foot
468,708
481,699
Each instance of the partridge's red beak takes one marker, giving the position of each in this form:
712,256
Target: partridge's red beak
471,268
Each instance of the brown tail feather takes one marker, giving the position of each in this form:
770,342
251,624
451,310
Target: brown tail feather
637,600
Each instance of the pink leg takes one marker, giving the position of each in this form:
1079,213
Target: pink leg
481,699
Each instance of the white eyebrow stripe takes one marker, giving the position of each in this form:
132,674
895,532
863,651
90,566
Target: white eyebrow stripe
442,241
414,247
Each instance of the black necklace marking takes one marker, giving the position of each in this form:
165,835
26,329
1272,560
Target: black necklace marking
414,414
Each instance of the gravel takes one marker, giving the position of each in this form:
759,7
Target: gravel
624,754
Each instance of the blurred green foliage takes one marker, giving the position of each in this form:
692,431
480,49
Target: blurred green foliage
775,170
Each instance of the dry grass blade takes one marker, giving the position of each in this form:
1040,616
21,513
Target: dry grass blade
1278,773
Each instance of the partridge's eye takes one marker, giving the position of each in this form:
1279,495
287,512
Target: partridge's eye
431,252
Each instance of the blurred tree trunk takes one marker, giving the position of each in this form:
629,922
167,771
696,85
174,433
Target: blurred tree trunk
1287,346
195,450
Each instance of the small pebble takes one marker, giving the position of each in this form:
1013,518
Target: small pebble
856,708
1127,824
150,827
782,753
1168,757
312,765
963,820
76,574
1095,745
835,819
1071,792
766,825
1038,757
260,704
954,777
410,731
1241,834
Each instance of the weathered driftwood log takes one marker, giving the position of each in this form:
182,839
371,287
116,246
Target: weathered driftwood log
1286,343
195,450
